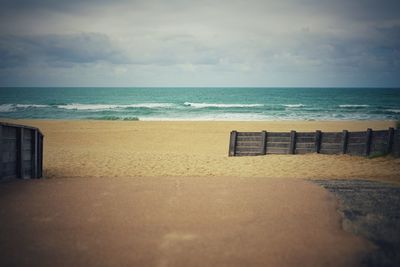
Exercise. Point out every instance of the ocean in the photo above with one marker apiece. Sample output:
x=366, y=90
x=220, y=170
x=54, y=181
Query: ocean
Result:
x=201, y=103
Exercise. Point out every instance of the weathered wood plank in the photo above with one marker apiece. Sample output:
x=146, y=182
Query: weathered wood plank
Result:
x=305, y=139
x=26, y=155
x=248, y=149
x=305, y=145
x=248, y=143
x=8, y=156
x=248, y=154
x=274, y=134
x=381, y=133
x=27, y=135
x=278, y=139
x=249, y=138
x=249, y=134
x=278, y=145
x=9, y=132
x=378, y=148
x=331, y=146
x=356, y=140
x=10, y=168
x=305, y=135
x=27, y=144
x=9, y=145
x=305, y=150
x=277, y=151
x=356, y=152
x=9, y=174
x=20, y=147
x=357, y=134
x=27, y=173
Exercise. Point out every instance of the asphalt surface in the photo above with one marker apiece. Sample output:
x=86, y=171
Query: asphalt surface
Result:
x=371, y=209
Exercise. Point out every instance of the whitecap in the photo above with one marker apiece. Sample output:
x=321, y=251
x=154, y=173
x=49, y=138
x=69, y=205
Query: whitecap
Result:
x=294, y=105
x=78, y=106
x=31, y=106
x=353, y=106
x=7, y=107
x=219, y=105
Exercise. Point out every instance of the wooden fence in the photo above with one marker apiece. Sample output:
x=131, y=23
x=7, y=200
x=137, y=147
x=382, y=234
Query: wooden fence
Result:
x=21, y=152
x=366, y=143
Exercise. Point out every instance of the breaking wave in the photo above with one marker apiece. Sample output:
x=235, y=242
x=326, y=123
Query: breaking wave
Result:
x=217, y=105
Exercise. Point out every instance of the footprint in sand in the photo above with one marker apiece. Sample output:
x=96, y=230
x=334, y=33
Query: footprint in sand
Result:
x=172, y=244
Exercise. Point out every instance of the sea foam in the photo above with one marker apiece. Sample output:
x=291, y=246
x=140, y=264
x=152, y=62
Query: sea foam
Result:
x=220, y=105
x=294, y=105
x=353, y=106
x=78, y=106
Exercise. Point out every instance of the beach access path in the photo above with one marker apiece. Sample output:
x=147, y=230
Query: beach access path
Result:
x=173, y=221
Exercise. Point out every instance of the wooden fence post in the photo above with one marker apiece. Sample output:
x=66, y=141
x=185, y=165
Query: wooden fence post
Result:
x=292, y=147
x=41, y=155
x=232, y=144
x=390, y=140
x=368, y=142
x=345, y=138
x=1, y=152
x=396, y=143
x=34, y=143
x=264, y=142
x=20, y=150
x=318, y=141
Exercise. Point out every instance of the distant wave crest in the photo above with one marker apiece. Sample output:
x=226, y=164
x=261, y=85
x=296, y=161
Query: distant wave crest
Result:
x=218, y=105
x=77, y=106
x=294, y=105
x=13, y=107
x=353, y=106
x=7, y=107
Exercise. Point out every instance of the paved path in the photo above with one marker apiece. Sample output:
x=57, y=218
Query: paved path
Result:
x=371, y=209
x=173, y=222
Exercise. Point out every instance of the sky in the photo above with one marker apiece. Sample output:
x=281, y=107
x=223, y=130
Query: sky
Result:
x=316, y=43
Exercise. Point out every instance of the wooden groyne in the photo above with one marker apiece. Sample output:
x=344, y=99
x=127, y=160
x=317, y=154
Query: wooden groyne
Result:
x=21, y=152
x=367, y=143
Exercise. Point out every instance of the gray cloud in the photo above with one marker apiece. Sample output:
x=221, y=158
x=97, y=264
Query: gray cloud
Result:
x=255, y=42
x=58, y=49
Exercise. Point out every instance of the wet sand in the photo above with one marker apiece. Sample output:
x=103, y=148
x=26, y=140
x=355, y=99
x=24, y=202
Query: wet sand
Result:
x=166, y=221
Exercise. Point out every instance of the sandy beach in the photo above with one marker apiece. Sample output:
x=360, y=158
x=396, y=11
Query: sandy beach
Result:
x=145, y=193
x=167, y=221
x=195, y=149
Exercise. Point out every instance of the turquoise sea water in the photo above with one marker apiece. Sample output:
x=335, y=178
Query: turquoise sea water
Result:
x=201, y=103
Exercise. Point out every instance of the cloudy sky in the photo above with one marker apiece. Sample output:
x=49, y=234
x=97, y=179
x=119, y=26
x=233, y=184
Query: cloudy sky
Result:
x=200, y=43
